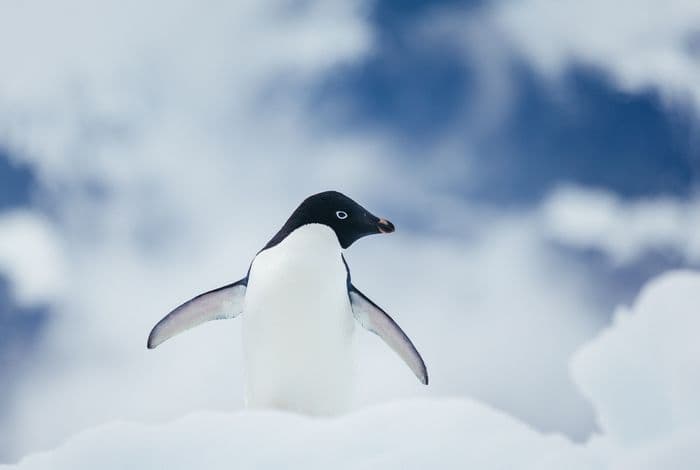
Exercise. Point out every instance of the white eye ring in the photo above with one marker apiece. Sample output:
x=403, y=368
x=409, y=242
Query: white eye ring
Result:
x=341, y=215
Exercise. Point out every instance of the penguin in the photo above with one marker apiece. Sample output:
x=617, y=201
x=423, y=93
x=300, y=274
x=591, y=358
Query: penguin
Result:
x=299, y=307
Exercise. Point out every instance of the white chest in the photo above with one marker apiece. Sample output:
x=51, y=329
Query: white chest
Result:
x=297, y=325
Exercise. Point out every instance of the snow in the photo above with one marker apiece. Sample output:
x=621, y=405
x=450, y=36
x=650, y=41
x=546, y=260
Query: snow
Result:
x=653, y=351
x=642, y=375
x=414, y=434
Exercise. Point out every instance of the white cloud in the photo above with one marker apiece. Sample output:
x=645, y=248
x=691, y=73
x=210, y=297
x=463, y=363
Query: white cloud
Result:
x=642, y=44
x=640, y=374
x=30, y=256
x=624, y=230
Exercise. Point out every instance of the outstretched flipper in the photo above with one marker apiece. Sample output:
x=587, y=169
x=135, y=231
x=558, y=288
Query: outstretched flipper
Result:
x=376, y=320
x=218, y=304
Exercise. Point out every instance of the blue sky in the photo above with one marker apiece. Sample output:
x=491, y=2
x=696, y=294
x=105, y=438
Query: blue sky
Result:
x=581, y=130
x=17, y=181
x=18, y=325
x=586, y=131
x=477, y=124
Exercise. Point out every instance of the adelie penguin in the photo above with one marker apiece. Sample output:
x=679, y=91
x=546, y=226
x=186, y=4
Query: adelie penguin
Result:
x=299, y=309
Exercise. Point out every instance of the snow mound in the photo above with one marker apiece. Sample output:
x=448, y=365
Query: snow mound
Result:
x=643, y=377
x=643, y=374
x=414, y=434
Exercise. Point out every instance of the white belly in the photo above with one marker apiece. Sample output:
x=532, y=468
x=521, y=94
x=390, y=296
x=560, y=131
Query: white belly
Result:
x=298, y=325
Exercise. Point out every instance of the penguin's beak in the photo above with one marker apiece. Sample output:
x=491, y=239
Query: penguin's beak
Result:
x=385, y=226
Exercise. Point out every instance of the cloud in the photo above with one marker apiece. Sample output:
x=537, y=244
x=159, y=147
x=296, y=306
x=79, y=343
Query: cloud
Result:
x=640, y=375
x=625, y=231
x=641, y=44
x=30, y=256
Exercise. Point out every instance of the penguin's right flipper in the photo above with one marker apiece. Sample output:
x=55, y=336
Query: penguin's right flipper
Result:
x=376, y=320
x=218, y=304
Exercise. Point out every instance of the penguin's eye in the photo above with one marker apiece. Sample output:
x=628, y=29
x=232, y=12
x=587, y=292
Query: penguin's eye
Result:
x=341, y=215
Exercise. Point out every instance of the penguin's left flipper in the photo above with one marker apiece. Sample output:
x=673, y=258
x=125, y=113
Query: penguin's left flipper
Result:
x=376, y=320
x=218, y=304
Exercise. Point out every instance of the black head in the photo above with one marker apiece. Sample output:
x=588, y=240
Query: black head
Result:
x=349, y=220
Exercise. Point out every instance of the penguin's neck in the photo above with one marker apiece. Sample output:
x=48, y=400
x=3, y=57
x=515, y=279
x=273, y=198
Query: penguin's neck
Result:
x=307, y=243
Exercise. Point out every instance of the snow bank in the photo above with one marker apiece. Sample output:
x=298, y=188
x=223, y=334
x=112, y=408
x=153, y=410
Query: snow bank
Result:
x=642, y=375
x=415, y=434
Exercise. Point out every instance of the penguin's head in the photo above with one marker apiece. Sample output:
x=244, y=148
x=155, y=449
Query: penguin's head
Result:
x=349, y=220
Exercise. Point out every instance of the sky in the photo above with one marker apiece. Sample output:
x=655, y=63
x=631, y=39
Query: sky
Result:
x=539, y=159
